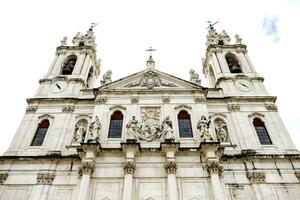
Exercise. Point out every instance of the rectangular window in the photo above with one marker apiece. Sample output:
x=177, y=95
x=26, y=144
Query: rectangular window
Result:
x=115, y=128
x=39, y=137
x=185, y=128
x=263, y=135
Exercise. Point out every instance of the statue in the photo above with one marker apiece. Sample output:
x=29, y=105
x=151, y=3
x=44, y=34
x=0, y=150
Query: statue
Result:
x=167, y=129
x=106, y=77
x=64, y=41
x=94, y=128
x=221, y=132
x=132, y=129
x=203, y=126
x=238, y=39
x=194, y=77
x=80, y=131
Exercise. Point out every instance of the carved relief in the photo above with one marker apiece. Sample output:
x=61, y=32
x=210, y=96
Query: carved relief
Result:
x=256, y=177
x=271, y=107
x=68, y=108
x=166, y=100
x=31, y=109
x=214, y=167
x=129, y=167
x=150, y=125
x=171, y=167
x=200, y=100
x=86, y=167
x=203, y=127
x=93, y=132
x=45, y=178
x=233, y=108
x=221, y=130
x=150, y=80
x=3, y=177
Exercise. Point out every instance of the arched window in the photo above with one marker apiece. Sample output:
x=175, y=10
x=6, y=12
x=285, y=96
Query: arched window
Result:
x=40, y=133
x=233, y=63
x=184, y=124
x=116, y=124
x=69, y=65
x=261, y=131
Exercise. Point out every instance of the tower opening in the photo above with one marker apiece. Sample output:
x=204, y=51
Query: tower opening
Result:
x=69, y=65
x=233, y=63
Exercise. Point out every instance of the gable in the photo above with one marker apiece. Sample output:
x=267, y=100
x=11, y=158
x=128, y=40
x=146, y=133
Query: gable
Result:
x=150, y=79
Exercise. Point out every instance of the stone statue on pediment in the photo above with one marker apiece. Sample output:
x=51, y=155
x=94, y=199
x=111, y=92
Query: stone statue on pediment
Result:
x=106, y=77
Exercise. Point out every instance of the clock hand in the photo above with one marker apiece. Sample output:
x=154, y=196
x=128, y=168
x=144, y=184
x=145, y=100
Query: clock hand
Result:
x=58, y=86
x=244, y=85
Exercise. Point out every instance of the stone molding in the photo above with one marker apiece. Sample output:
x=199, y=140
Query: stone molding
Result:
x=86, y=167
x=101, y=100
x=166, y=100
x=183, y=107
x=271, y=107
x=171, y=167
x=68, y=108
x=214, y=167
x=117, y=107
x=233, y=108
x=256, y=114
x=129, y=167
x=3, y=177
x=45, y=178
x=256, y=177
x=31, y=109
x=200, y=100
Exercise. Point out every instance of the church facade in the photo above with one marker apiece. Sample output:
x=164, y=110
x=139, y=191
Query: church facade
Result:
x=151, y=135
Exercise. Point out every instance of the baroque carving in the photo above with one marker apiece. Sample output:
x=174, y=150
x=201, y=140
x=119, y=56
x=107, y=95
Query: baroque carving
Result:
x=200, y=100
x=221, y=130
x=128, y=167
x=68, y=108
x=45, y=178
x=86, y=167
x=171, y=167
x=203, y=127
x=217, y=38
x=194, y=77
x=31, y=109
x=106, y=78
x=256, y=177
x=80, y=131
x=150, y=80
x=3, y=177
x=214, y=167
x=233, y=108
x=271, y=107
x=93, y=132
x=166, y=100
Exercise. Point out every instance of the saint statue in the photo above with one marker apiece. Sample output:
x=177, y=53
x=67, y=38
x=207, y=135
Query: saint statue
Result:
x=203, y=126
x=132, y=129
x=94, y=128
x=106, y=77
x=80, y=131
x=194, y=77
x=167, y=129
x=221, y=132
x=64, y=41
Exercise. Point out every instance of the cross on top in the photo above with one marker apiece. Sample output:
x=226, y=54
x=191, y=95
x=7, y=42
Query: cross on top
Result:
x=150, y=49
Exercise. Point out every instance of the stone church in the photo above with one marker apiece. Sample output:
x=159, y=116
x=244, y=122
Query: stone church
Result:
x=151, y=135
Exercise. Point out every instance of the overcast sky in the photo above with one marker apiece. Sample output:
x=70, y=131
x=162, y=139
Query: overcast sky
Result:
x=31, y=30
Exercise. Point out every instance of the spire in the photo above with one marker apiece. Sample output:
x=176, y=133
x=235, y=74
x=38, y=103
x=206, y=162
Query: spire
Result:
x=150, y=62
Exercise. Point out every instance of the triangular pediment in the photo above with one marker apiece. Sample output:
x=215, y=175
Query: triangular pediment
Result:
x=150, y=79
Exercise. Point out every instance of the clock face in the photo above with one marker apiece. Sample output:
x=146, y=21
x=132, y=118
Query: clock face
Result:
x=58, y=86
x=243, y=85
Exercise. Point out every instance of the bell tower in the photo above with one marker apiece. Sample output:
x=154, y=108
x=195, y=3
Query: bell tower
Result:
x=74, y=67
x=228, y=66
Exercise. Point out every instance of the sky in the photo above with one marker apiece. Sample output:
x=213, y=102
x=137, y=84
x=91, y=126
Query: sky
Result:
x=31, y=30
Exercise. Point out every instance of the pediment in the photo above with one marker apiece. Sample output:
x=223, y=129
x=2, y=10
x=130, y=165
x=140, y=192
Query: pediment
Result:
x=150, y=79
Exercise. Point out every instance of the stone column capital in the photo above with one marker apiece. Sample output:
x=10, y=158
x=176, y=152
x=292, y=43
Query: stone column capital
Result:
x=129, y=167
x=86, y=167
x=171, y=167
x=214, y=167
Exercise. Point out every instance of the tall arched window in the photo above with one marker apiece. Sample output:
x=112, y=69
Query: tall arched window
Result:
x=69, y=65
x=40, y=133
x=233, y=63
x=261, y=131
x=116, y=124
x=184, y=124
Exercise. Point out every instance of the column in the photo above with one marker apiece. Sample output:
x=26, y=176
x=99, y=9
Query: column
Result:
x=130, y=150
x=171, y=168
x=86, y=169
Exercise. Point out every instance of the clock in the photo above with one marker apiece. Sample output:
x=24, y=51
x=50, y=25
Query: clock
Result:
x=58, y=87
x=243, y=85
